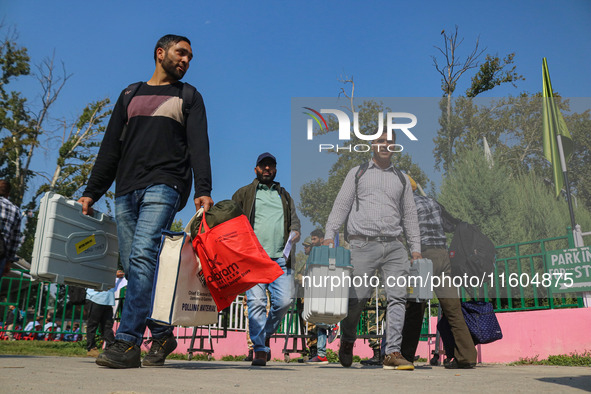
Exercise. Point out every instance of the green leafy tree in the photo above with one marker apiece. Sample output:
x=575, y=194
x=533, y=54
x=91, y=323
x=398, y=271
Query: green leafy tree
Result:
x=513, y=128
x=507, y=207
x=491, y=73
x=25, y=129
x=14, y=119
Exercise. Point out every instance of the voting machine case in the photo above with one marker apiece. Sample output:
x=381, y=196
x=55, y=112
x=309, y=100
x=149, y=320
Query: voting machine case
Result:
x=72, y=248
x=324, y=304
x=420, y=276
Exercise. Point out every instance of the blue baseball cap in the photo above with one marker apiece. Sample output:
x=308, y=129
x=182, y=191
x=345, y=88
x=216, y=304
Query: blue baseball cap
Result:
x=263, y=156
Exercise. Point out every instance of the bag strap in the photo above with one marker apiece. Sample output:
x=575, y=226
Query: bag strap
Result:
x=358, y=174
x=195, y=217
x=187, y=93
x=127, y=96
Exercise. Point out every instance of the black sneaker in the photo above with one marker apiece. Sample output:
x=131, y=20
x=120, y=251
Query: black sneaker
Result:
x=160, y=349
x=454, y=364
x=377, y=358
x=346, y=353
x=122, y=354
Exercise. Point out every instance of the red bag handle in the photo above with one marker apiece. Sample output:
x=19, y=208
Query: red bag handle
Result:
x=203, y=223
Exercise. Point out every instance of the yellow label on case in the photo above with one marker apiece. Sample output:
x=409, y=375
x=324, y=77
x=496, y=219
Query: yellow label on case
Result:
x=85, y=244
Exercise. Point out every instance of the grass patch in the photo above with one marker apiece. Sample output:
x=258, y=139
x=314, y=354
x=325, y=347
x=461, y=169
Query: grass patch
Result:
x=42, y=348
x=567, y=360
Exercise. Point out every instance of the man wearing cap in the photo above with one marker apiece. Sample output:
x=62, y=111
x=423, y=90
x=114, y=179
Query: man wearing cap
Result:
x=272, y=214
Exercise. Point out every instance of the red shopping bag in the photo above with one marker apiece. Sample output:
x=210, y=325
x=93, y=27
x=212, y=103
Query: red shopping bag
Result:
x=233, y=260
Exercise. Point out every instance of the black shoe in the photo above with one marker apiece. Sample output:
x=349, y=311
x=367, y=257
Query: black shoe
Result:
x=313, y=352
x=122, y=354
x=346, y=353
x=377, y=358
x=260, y=359
x=453, y=364
x=250, y=355
x=160, y=349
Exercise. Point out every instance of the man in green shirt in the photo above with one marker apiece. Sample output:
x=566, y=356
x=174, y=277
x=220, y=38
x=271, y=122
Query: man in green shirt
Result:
x=271, y=212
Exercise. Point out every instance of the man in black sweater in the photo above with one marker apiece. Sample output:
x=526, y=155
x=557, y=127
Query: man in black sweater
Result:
x=156, y=135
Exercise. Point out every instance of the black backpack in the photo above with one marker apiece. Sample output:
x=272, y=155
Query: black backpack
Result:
x=187, y=93
x=360, y=171
x=471, y=252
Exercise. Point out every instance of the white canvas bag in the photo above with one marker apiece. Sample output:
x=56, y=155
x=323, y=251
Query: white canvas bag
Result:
x=180, y=296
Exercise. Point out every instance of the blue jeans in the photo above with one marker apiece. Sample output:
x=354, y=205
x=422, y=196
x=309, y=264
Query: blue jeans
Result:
x=260, y=325
x=141, y=217
x=321, y=344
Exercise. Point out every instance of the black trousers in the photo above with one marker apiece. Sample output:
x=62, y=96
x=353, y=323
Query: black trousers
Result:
x=101, y=317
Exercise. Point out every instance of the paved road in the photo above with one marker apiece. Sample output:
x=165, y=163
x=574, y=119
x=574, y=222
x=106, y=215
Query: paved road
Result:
x=73, y=374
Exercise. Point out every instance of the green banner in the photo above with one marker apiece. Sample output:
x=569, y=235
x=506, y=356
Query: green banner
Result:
x=570, y=269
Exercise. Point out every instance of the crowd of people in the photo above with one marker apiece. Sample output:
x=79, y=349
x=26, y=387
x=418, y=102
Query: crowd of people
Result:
x=156, y=143
x=36, y=330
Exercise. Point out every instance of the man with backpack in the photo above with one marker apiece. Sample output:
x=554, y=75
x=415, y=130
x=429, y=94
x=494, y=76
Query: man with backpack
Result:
x=378, y=207
x=156, y=135
x=434, y=248
x=10, y=228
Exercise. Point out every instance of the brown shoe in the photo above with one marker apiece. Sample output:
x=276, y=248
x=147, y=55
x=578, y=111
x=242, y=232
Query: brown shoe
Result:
x=396, y=361
x=94, y=352
x=260, y=359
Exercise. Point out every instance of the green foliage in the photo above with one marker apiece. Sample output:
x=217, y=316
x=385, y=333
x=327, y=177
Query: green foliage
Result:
x=493, y=73
x=78, y=151
x=177, y=225
x=22, y=130
x=507, y=207
x=569, y=360
x=334, y=357
x=477, y=194
x=512, y=128
x=50, y=348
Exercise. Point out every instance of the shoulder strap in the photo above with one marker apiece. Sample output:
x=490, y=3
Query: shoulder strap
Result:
x=403, y=181
x=127, y=96
x=360, y=171
x=187, y=93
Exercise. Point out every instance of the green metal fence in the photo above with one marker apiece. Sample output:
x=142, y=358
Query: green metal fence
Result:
x=49, y=300
x=43, y=300
x=517, y=266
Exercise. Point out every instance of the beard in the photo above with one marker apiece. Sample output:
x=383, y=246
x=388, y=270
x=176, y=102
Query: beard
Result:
x=265, y=179
x=170, y=68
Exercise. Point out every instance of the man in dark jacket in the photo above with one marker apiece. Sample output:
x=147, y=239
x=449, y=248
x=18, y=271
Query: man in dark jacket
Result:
x=272, y=214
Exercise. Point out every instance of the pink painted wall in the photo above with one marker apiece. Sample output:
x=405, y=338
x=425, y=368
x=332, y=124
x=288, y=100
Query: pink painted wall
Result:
x=525, y=334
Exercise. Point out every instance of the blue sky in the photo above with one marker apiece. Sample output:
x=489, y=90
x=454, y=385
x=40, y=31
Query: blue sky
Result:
x=252, y=57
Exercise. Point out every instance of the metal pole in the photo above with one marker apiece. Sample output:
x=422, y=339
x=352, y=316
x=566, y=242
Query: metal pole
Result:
x=567, y=187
